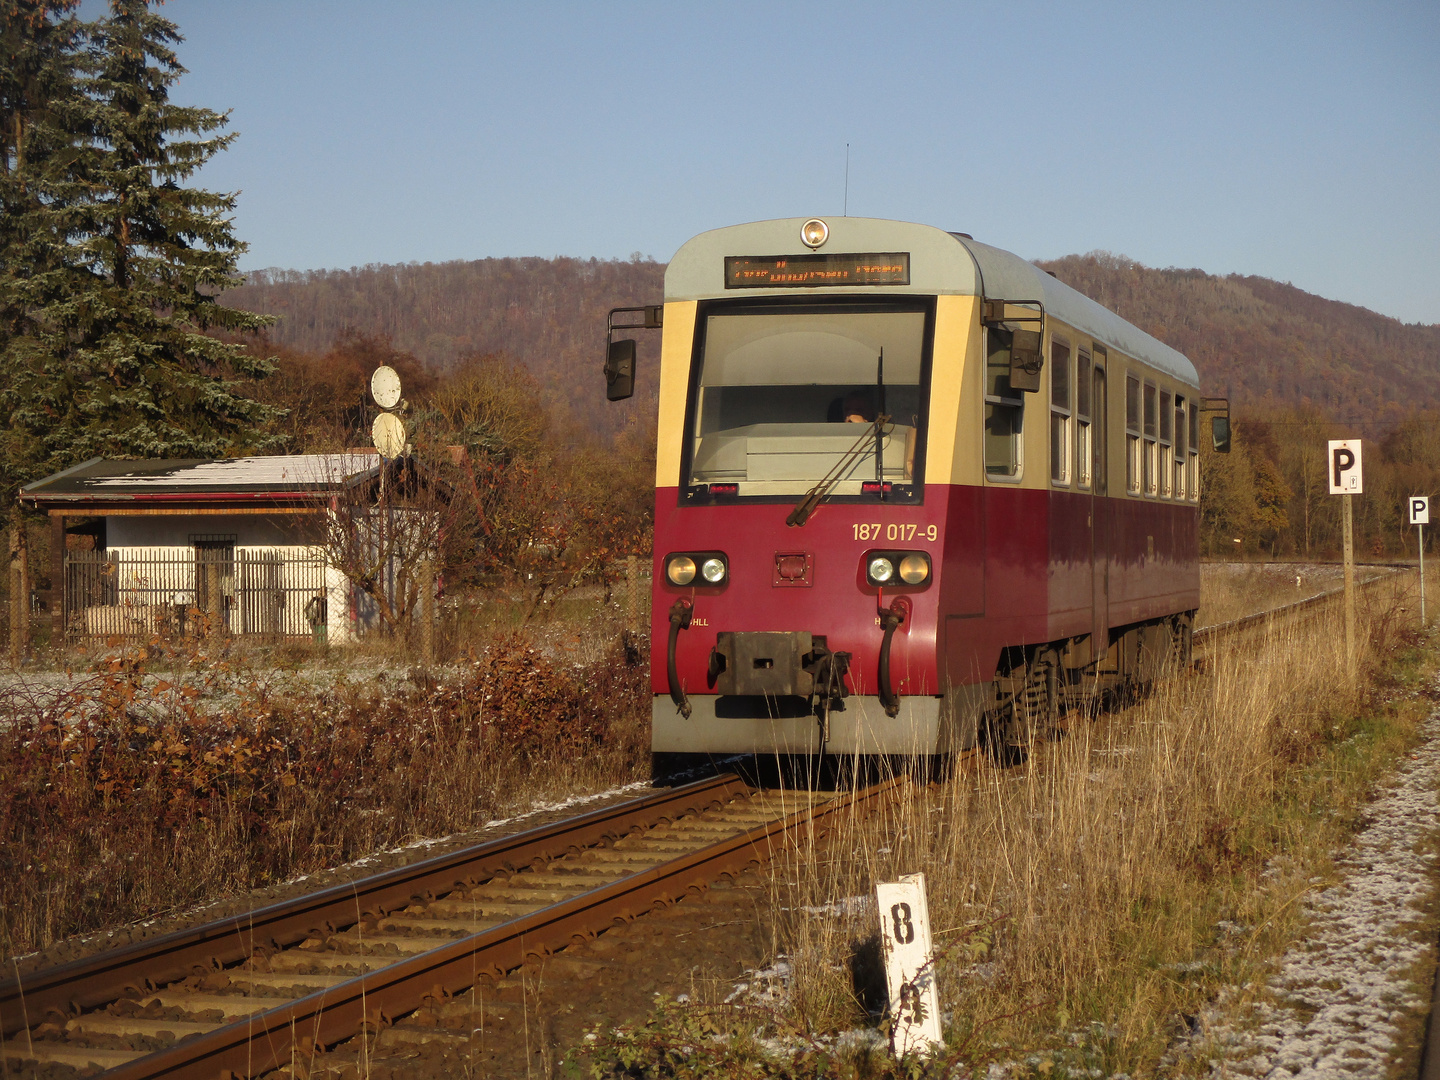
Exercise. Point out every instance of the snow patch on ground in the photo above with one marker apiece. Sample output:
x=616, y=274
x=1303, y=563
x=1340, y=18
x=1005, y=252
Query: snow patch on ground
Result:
x=769, y=987
x=847, y=907
x=1339, y=996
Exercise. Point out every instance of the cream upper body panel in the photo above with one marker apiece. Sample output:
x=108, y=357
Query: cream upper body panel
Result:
x=938, y=264
x=959, y=273
x=675, y=347
x=941, y=263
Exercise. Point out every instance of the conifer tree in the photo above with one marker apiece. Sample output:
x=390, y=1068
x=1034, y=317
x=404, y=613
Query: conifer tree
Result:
x=41, y=102
x=117, y=355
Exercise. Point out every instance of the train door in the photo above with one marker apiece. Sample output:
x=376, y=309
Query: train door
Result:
x=1100, y=509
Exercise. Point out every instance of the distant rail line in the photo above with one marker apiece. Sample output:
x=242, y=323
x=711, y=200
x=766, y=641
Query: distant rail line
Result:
x=1207, y=638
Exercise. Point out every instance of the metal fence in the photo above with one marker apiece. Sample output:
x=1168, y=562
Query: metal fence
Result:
x=271, y=594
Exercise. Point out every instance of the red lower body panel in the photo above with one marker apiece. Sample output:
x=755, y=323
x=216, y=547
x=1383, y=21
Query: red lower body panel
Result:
x=1009, y=567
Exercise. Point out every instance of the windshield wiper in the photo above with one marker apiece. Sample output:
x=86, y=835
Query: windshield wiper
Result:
x=801, y=513
x=880, y=411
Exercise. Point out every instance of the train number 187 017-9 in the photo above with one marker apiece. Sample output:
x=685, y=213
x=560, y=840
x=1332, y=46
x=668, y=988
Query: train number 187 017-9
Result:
x=895, y=532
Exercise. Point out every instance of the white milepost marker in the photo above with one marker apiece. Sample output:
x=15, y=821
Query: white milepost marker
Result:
x=909, y=965
x=1347, y=480
x=1420, y=517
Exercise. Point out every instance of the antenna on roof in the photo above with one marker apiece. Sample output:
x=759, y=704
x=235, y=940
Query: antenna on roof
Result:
x=846, y=212
x=388, y=429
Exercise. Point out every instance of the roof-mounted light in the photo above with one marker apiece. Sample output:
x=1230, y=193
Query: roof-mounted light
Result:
x=814, y=233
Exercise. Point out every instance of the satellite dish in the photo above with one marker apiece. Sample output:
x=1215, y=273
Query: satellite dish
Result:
x=389, y=433
x=385, y=387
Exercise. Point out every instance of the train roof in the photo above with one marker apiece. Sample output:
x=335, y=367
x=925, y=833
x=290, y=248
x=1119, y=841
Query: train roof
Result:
x=940, y=263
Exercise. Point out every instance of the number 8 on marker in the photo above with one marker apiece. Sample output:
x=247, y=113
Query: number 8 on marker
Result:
x=901, y=925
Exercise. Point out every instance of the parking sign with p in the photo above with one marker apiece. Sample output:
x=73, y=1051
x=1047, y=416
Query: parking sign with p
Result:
x=1345, y=472
x=1419, y=509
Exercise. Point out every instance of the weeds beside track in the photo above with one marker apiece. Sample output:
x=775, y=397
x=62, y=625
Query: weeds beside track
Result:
x=122, y=795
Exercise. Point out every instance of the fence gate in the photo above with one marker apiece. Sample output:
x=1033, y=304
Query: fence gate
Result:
x=268, y=595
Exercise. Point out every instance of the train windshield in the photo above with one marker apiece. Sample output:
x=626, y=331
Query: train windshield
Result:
x=786, y=398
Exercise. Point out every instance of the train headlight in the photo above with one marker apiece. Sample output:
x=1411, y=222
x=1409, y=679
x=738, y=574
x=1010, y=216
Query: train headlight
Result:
x=680, y=570
x=880, y=571
x=699, y=568
x=897, y=568
x=914, y=569
x=814, y=233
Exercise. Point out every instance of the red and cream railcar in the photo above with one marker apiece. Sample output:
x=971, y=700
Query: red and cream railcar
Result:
x=911, y=492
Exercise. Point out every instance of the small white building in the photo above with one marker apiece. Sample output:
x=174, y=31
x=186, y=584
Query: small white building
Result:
x=242, y=540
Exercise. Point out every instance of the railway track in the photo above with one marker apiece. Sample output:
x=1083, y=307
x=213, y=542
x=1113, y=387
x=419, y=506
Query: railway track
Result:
x=1207, y=638
x=259, y=992
x=247, y=995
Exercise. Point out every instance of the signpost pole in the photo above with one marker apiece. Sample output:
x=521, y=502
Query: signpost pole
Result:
x=390, y=436
x=1349, y=581
x=1422, y=575
x=1347, y=481
x=1419, y=516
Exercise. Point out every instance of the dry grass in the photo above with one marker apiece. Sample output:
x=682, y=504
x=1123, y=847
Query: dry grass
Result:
x=1087, y=901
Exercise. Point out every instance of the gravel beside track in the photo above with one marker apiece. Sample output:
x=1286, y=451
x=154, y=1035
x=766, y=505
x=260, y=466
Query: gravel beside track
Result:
x=1346, y=1001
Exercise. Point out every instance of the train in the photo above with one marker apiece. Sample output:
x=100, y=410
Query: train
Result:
x=913, y=494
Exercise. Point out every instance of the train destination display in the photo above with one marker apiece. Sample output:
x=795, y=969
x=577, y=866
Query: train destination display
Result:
x=808, y=271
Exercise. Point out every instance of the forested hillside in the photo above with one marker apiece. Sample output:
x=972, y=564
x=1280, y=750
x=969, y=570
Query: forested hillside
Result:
x=548, y=314
x=1269, y=343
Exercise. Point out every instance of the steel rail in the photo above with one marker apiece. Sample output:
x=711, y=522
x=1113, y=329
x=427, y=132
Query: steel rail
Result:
x=96, y=980
x=369, y=1002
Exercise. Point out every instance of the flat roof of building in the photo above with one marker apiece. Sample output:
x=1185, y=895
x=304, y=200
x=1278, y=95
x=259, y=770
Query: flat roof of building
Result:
x=294, y=477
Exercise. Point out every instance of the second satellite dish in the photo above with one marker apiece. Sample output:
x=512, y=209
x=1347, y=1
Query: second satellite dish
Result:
x=385, y=387
x=389, y=435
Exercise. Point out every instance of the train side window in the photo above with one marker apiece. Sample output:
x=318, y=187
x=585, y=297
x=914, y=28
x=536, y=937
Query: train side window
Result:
x=1004, y=410
x=1082, y=419
x=1132, y=435
x=1059, y=412
x=1193, y=465
x=1152, y=454
x=1178, y=467
x=1167, y=439
x=1100, y=437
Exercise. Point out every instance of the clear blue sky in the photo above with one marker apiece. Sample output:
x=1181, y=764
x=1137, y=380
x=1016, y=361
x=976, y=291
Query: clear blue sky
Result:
x=1300, y=141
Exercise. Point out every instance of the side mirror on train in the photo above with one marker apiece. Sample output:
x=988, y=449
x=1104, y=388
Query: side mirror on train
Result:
x=620, y=370
x=1025, y=361
x=1220, y=434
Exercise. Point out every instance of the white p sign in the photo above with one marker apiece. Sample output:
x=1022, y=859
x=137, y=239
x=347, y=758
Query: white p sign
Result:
x=1345, y=473
x=1419, y=509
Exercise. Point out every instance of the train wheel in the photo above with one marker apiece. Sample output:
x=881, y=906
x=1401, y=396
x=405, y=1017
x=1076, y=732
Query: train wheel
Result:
x=1026, y=708
x=1184, y=633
